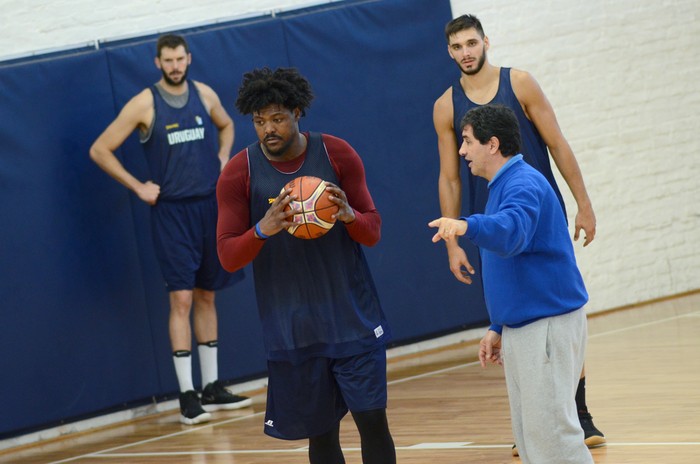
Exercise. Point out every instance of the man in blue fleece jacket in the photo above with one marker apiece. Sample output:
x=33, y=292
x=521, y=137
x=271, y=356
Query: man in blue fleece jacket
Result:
x=533, y=289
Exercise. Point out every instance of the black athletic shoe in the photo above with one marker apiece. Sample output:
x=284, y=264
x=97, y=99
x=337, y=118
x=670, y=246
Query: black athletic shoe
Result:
x=592, y=436
x=215, y=396
x=191, y=411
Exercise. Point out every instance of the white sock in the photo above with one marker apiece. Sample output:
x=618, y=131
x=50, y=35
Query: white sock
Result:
x=208, y=353
x=183, y=369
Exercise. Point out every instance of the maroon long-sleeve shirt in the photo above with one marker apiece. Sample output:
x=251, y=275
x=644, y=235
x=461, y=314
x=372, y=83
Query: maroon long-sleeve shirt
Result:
x=236, y=242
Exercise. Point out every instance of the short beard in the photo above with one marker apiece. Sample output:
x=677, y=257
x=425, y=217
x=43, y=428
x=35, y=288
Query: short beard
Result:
x=172, y=82
x=479, y=65
x=279, y=152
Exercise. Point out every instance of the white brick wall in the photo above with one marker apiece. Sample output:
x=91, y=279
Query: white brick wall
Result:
x=622, y=77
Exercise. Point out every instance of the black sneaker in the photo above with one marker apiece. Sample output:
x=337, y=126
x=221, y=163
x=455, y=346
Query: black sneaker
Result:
x=592, y=436
x=215, y=396
x=191, y=411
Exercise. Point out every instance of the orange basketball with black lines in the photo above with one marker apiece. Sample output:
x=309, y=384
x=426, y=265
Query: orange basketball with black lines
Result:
x=314, y=209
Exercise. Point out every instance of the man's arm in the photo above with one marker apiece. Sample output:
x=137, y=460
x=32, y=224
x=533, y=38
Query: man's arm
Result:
x=357, y=206
x=538, y=109
x=238, y=243
x=449, y=182
x=221, y=120
x=137, y=113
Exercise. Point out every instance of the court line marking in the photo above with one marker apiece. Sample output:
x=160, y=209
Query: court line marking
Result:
x=104, y=453
x=646, y=324
x=609, y=332
x=154, y=439
x=305, y=449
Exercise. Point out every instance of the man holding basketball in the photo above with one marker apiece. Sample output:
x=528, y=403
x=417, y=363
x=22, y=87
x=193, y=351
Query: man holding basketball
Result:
x=324, y=329
x=534, y=291
x=187, y=137
x=481, y=83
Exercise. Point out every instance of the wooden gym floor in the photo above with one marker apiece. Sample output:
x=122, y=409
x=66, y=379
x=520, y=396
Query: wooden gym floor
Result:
x=643, y=371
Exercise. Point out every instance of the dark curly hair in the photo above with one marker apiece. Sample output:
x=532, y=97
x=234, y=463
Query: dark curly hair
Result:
x=264, y=87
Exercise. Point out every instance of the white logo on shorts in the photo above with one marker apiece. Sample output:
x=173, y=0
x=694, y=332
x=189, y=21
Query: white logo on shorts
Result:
x=269, y=423
x=378, y=332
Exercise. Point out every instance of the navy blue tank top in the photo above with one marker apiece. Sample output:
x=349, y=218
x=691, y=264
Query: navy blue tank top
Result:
x=534, y=150
x=182, y=151
x=315, y=297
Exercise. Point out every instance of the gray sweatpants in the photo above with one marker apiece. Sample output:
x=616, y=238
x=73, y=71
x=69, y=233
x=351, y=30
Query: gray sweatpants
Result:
x=543, y=363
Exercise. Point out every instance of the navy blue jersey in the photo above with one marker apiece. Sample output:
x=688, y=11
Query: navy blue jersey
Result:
x=315, y=297
x=534, y=150
x=182, y=151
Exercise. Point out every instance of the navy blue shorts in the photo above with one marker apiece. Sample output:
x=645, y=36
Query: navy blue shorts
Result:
x=309, y=399
x=184, y=236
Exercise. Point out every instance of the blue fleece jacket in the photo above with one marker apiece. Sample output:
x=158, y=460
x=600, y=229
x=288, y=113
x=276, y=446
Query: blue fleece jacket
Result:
x=528, y=262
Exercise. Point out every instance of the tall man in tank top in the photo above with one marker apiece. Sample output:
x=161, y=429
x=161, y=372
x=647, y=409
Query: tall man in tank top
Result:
x=324, y=329
x=187, y=137
x=481, y=83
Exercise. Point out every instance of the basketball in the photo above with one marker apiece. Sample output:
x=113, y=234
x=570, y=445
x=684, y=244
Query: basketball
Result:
x=314, y=210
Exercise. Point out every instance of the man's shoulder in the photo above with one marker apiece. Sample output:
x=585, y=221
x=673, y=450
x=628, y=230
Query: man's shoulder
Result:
x=519, y=74
x=445, y=98
x=201, y=85
x=443, y=109
x=325, y=136
x=145, y=96
x=522, y=82
x=205, y=91
x=337, y=147
x=332, y=141
x=140, y=103
x=522, y=173
x=241, y=156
